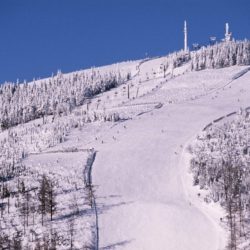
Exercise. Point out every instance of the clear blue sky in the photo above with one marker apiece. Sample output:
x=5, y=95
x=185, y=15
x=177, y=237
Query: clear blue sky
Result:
x=37, y=37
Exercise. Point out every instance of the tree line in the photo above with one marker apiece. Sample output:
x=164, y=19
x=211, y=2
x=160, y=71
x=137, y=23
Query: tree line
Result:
x=60, y=94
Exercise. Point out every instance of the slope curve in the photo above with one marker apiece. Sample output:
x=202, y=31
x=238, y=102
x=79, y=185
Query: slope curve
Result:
x=141, y=196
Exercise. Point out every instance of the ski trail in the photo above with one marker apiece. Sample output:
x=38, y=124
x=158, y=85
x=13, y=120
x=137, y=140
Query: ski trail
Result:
x=145, y=199
x=141, y=200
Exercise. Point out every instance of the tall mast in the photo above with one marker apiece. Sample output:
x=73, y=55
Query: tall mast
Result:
x=228, y=35
x=185, y=36
x=227, y=29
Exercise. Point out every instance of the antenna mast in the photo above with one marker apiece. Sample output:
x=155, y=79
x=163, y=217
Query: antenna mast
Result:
x=185, y=36
x=228, y=35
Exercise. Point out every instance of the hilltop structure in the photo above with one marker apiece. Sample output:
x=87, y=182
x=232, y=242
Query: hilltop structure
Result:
x=212, y=39
x=228, y=35
x=185, y=37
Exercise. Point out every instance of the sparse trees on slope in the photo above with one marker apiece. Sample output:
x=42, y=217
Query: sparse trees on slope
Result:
x=47, y=197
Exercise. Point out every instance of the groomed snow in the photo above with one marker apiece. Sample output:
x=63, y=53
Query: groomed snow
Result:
x=144, y=193
x=145, y=198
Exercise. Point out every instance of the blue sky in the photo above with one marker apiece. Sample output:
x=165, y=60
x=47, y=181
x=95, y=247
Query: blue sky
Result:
x=38, y=37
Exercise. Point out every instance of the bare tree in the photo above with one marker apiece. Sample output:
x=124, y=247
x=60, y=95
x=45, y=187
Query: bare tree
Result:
x=51, y=199
x=71, y=226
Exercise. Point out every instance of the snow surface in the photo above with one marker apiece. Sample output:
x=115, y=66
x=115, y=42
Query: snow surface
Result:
x=144, y=193
x=66, y=171
x=142, y=177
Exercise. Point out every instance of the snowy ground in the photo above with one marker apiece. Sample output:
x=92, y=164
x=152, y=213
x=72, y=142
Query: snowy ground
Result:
x=73, y=212
x=146, y=204
x=144, y=195
x=67, y=171
x=144, y=192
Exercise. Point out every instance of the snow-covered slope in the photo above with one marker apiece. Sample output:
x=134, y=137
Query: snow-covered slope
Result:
x=144, y=197
x=141, y=176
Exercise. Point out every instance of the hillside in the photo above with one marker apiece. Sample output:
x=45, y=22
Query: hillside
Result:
x=97, y=159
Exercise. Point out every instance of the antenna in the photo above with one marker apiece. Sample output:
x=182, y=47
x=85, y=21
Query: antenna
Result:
x=185, y=36
x=228, y=35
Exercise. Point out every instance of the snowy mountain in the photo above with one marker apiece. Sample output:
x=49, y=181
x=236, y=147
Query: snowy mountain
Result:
x=107, y=158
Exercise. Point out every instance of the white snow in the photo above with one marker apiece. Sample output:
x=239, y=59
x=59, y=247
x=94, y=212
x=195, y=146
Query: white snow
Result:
x=144, y=192
x=144, y=195
x=142, y=186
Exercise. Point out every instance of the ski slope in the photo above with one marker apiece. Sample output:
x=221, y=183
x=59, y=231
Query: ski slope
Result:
x=144, y=193
x=146, y=199
x=118, y=159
